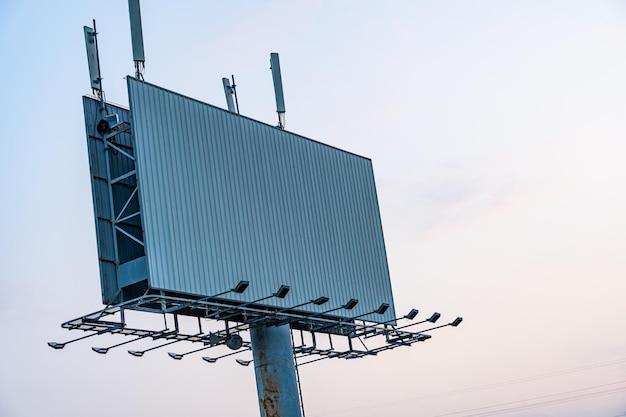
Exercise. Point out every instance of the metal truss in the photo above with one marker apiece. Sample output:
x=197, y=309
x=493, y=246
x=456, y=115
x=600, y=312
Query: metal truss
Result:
x=122, y=216
x=319, y=336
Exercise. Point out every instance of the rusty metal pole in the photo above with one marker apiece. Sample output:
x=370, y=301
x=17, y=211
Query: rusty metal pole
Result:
x=275, y=371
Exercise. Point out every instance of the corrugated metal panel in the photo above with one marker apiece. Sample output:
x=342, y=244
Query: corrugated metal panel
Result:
x=225, y=198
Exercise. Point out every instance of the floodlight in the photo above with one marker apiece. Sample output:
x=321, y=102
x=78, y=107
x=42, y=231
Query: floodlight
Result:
x=381, y=310
x=55, y=345
x=243, y=362
x=100, y=350
x=176, y=356
x=411, y=314
x=456, y=321
x=282, y=291
x=140, y=353
x=321, y=300
x=213, y=360
x=349, y=306
x=318, y=301
x=434, y=318
x=241, y=286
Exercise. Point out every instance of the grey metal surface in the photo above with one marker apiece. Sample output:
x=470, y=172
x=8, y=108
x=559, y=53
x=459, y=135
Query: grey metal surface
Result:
x=225, y=198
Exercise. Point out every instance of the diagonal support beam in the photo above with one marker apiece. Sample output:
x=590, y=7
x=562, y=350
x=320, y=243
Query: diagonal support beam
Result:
x=129, y=235
x=126, y=205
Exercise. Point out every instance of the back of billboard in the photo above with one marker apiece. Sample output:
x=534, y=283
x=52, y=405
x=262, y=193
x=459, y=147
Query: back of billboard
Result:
x=222, y=198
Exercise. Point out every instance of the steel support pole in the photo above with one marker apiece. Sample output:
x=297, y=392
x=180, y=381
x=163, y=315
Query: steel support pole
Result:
x=275, y=371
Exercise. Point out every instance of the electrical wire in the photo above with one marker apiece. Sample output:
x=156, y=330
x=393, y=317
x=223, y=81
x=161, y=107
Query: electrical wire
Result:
x=473, y=389
x=540, y=404
x=551, y=402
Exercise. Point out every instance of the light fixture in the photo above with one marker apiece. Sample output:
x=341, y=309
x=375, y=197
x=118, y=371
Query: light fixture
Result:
x=282, y=291
x=139, y=353
x=382, y=309
x=210, y=359
x=373, y=332
x=456, y=321
x=177, y=356
x=411, y=314
x=351, y=304
x=241, y=287
x=114, y=327
x=242, y=362
x=434, y=318
x=274, y=321
x=321, y=300
x=100, y=350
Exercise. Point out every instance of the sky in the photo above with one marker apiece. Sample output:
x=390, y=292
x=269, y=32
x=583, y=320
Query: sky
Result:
x=496, y=131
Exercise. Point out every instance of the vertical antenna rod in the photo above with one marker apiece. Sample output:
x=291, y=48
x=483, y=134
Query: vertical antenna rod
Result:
x=228, y=91
x=278, y=89
x=235, y=93
x=136, y=35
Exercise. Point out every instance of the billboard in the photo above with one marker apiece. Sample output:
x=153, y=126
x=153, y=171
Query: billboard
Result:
x=222, y=198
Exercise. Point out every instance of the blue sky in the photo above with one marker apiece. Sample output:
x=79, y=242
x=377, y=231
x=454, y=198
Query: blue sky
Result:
x=496, y=130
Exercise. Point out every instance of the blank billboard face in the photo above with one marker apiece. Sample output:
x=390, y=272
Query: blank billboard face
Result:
x=225, y=198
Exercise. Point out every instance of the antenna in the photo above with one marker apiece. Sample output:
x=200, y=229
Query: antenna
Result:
x=228, y=91
x=278, y=89
x=136, y=35
x=235, y=93
x=93, y=60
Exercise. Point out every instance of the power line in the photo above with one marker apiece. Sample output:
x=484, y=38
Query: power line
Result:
x=472, y=389
x=551, y=402
x=540, y=404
